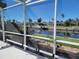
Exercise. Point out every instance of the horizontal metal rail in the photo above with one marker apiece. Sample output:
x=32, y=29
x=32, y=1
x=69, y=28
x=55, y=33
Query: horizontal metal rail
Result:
x=45, y=52
x=38, y=37
x=14, y=33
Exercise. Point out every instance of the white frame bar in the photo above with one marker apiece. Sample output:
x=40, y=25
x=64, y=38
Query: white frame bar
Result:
x=2, y=20
x=24, y=16
x=12, y=6
x=38, y=37
x=55, y=15
x=39, y=1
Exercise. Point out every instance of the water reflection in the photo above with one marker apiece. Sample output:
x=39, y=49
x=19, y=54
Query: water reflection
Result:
x=46, y=32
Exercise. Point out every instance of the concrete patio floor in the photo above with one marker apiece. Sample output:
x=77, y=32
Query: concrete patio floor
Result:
x=13, y=52
x=3, y=44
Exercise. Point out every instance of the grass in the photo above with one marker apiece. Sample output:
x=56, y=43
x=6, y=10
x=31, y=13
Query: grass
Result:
x=60, y=38
x=68, y=39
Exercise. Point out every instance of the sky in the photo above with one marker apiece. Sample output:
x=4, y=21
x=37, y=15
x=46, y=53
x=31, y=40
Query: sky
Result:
x=70, y=8
x=44, y=10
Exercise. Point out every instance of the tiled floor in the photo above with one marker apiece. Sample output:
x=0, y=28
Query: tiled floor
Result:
x=15, y=53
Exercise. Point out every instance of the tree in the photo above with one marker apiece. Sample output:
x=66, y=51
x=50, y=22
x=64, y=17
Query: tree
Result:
x=77, y=21
x=41, y=24
x=68, y=22
x=39, y=21
x=62, y=15
x=2, y=4
x=13, y=21
x=58, y=23
x=62, y=23
x=30, y=22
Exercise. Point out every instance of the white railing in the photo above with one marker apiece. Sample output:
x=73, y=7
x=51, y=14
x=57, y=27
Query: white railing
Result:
x=14, y=33
x=39, y=37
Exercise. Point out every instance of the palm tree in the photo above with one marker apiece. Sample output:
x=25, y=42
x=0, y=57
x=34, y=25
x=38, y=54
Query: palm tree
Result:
x=62, y=15
x=39, y=21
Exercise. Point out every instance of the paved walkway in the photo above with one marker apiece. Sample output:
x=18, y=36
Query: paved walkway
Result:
x=12, y=52
x=15, y=53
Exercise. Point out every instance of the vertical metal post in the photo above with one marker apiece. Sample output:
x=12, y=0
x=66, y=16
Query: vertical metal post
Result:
x=24, y=16
x=2, y=20
x=55, y=14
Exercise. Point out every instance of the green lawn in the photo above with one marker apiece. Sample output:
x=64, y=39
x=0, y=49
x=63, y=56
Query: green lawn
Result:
x=59, y=38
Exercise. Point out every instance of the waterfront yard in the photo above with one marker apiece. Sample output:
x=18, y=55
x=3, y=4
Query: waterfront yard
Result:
x=59, y=39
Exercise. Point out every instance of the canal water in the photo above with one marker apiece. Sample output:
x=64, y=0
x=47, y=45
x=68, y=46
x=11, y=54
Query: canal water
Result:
x=72, y=35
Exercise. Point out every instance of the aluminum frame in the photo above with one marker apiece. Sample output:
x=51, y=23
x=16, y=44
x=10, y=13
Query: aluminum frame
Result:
x=55, y=17
x=15, y=5
x=24, y=10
